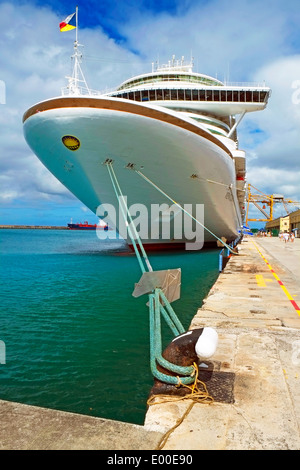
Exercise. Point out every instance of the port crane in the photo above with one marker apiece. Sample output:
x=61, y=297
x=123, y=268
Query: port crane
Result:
x=263, y=202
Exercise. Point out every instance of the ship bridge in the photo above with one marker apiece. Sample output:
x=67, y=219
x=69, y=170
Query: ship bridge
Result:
x=218, y=100
x=176, y=86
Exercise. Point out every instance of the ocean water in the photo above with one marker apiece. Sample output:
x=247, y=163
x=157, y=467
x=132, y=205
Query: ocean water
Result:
x=75, y=338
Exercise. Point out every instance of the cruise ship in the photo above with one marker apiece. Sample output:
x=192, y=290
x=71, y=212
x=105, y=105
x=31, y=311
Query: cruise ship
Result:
x=175, y=127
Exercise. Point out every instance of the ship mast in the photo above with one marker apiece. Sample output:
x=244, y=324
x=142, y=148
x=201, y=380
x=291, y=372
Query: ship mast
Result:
x=77, y=84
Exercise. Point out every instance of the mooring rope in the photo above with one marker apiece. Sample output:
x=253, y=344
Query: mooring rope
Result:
x=131, y=226
x=184, y=210
x=197, y=396
x=158, y=303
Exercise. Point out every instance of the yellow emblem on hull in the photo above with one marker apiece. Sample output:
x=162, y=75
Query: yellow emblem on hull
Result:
x=71, y=142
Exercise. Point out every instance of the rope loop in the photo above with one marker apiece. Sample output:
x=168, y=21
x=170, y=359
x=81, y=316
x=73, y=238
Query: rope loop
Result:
x=198, y=392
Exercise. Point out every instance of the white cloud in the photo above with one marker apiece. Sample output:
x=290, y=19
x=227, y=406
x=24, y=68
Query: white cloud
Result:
x=275, y=180
x=35, y=58
x=275, y=162
x=237, y=36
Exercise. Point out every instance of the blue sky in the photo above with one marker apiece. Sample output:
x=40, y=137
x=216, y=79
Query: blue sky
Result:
x=240, y=40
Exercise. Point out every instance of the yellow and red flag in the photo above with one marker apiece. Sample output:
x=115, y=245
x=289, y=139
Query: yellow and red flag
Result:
x=69, y=23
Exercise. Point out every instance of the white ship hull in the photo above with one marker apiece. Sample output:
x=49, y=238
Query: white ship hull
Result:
x=179, y=156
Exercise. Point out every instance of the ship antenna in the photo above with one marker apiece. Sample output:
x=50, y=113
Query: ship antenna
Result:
x=74, y=87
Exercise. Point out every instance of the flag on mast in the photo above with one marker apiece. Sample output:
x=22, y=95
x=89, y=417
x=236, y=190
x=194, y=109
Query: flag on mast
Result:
x=69, y=23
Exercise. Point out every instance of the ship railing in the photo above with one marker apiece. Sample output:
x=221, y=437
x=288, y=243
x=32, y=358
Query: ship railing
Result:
x=246, y=84
x=194, y=81
x=80, y=91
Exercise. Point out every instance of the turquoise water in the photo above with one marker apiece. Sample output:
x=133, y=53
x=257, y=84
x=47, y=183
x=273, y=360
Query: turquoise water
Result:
x=75, y=338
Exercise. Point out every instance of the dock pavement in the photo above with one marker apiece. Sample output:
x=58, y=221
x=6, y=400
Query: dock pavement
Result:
x=254, y=306
x=254, y=375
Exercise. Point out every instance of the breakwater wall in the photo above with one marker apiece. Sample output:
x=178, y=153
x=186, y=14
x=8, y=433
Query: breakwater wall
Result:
x=45, y=227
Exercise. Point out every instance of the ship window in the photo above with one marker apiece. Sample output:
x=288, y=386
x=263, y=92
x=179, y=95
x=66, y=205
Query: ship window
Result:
x=263, y=96
x=188, y=94
x=216, y=95
x=170, y=77
x=259, y=96
x=250, y=96
x=213, y=131
x=229, y=95
x=145, y=95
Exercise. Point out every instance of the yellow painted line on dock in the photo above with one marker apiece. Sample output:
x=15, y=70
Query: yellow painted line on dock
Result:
x=261, y=280
x=296, y=307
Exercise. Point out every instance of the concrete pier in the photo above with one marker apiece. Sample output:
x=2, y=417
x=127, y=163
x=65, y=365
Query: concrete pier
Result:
x=25, y=427
x=33, y=227
x=254, y=306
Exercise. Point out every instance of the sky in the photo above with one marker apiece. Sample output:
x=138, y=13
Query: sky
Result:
x=235, y=40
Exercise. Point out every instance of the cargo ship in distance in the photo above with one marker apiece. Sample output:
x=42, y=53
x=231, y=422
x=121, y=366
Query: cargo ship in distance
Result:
x=176, y=126
x=86, y=226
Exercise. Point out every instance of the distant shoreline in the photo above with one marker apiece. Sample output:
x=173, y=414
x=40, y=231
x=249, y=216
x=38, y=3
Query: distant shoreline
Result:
x=44, y=227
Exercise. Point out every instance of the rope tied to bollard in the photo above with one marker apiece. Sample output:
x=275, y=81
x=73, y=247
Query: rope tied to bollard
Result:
x=199, y=392
x=197, y=395
x=159, y=305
